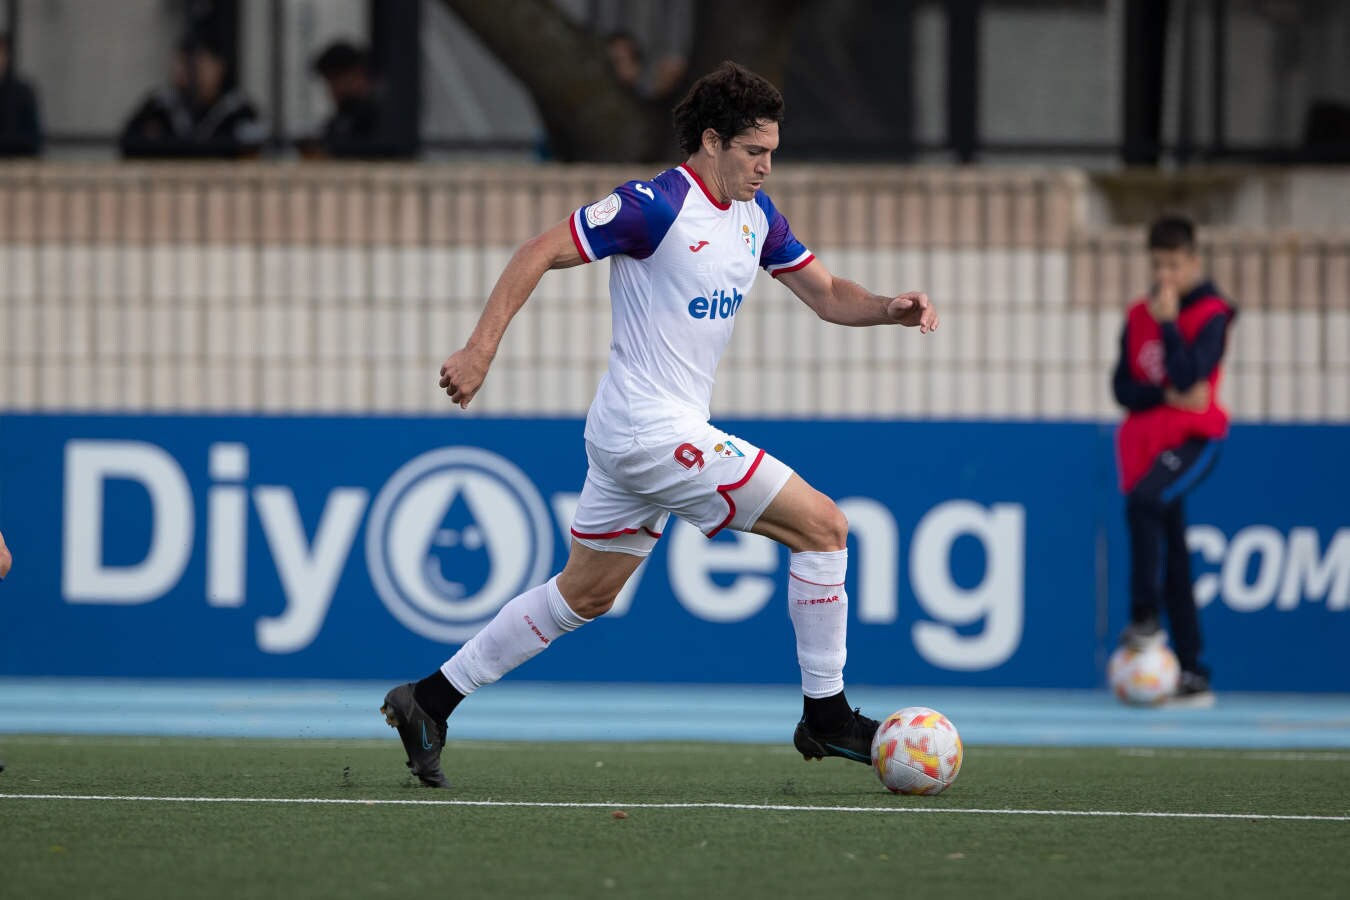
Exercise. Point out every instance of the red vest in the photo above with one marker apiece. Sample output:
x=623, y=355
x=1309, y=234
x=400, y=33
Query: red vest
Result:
x=1144, y=435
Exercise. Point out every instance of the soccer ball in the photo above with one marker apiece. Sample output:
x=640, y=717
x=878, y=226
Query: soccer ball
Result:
x=1144, y=677
x=917, y=751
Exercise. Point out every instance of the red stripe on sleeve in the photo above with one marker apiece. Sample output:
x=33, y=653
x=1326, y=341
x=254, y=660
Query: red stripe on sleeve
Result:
x=801, y=265
x=576, y=238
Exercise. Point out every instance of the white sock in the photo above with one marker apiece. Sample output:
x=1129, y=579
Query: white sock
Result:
x=522, y=629
x=818, y=608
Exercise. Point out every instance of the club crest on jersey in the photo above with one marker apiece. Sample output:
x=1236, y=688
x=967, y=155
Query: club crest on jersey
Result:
x=1152, y=360
x=727, y=450
x=603, y=211
x=749, y=237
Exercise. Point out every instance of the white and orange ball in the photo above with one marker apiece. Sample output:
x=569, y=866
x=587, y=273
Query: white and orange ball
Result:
x=917, y=751
x=1143, y=677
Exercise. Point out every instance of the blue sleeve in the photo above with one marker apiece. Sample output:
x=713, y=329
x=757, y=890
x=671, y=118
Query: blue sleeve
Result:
x=1131, y=394
x=1189, y=363
x=782, y=251
x=633, y=220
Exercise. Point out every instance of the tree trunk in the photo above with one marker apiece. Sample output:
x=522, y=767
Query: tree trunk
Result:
x=589, y=115
x=755, y=33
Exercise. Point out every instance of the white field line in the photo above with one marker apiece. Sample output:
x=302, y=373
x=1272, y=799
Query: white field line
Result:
x=749, y=807
x=363, y=743
x=1270, y=755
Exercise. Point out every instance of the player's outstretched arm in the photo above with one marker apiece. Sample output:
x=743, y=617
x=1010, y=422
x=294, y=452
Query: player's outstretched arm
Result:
x=845, y=302
x=463, y=371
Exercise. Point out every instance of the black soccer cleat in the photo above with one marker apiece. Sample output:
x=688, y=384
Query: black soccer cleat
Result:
x=423, y=738
x=1193, y=692
x=1143, y=635
x=853, y=741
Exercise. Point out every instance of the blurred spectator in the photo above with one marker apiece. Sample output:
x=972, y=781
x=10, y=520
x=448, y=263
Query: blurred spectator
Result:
x=625, y=58
x=20, y=124
x=198, y=115
x=362, y=125
x=629, y=65
x=666, y=77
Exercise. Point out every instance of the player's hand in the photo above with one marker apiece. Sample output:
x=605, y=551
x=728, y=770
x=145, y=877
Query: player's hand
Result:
x=462, y=374
x=5, y=558
x=913, y=308
x=1193, y=399
x=1164, y=304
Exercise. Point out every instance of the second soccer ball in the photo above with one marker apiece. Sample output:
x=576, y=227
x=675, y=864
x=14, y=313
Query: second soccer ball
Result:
x=1143, y=677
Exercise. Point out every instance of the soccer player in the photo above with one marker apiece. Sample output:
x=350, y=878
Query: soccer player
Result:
x=1167, y=379
x=686, y=246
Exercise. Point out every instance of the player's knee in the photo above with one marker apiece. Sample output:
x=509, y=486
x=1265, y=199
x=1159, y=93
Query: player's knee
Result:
x=589, y=604
x=587, y=596
x=828, y=527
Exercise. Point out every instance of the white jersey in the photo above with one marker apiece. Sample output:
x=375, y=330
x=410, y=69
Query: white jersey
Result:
x=683, y=264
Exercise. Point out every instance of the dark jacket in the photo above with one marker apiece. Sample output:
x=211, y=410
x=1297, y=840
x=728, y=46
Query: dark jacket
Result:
x=166, y=124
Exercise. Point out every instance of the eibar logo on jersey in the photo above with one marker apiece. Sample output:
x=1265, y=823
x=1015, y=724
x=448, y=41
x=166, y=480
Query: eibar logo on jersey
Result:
x=718, y=305
x=727, y=449
x=749, y=237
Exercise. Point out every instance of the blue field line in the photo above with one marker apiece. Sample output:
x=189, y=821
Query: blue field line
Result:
x=642, y=712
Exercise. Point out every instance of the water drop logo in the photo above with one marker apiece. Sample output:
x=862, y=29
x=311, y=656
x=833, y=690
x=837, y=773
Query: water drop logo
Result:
x=452, y=536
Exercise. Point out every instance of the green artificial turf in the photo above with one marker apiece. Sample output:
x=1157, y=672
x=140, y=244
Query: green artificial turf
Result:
x=155, y=848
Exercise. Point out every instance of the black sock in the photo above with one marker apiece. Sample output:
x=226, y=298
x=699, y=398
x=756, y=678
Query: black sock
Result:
x=826, y=715
x=437, y=696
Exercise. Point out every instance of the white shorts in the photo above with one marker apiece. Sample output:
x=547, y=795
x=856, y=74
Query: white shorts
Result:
x=709, y=478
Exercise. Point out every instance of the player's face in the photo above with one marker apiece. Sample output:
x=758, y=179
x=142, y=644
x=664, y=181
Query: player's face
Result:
x=1176, y=269
x=745, y=162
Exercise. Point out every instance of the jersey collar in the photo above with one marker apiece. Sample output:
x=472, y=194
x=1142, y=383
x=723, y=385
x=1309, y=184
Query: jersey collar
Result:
x=690, y=173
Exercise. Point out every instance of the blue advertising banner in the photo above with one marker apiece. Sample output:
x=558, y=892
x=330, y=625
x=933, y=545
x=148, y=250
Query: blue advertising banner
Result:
x=980, y=553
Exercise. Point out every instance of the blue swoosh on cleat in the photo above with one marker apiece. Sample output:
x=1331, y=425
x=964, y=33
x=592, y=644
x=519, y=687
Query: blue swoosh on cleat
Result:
x=426, y=744
x=849, y=753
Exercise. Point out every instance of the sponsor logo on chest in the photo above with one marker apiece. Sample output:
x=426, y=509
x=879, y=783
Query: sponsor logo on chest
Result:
x=719, y=304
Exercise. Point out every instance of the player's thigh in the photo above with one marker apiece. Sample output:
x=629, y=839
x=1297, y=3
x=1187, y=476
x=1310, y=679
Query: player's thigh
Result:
x=1175, y=473
x=594, y=577
x=611, y=518
x=802, y=518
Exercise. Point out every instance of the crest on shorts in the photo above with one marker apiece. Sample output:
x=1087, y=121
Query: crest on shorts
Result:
x=749, y=237
x=727, y=450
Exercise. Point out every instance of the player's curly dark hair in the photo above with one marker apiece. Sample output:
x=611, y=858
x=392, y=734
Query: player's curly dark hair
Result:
x=728, y=100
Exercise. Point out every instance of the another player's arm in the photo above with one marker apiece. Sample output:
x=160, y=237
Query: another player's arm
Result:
x=1188, y=364
x=463, y=371
x=1135, y=396
x=845, y=302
